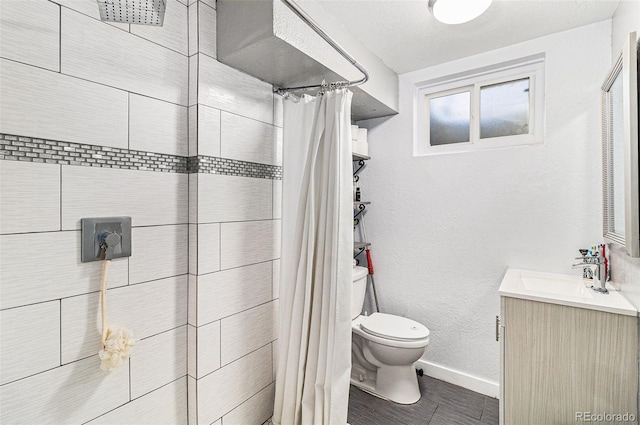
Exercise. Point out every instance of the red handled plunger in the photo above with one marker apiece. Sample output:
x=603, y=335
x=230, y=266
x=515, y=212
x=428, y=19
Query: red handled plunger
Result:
x=370, y=264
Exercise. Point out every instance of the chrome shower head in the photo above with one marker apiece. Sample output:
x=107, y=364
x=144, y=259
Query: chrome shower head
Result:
x=145, y=12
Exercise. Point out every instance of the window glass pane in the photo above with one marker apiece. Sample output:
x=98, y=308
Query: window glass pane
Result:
x=449, y=119
x=504, y=109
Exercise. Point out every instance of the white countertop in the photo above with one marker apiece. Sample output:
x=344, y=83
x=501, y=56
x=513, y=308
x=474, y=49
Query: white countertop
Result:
x=569, y=290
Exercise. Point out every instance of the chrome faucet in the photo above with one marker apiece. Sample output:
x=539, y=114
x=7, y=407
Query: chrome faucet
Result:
x=593, y=268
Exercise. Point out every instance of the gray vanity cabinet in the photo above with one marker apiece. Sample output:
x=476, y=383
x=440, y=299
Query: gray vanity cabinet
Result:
x=560, y=362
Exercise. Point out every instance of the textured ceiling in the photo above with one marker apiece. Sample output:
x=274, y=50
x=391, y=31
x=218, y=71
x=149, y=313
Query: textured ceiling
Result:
x=405, y=35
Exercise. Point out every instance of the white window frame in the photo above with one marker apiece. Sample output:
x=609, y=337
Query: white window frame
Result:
x=532, y=68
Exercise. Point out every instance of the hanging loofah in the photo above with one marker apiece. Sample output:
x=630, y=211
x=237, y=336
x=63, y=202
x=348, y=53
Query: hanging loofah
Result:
x=117, y=342
x=116, y=348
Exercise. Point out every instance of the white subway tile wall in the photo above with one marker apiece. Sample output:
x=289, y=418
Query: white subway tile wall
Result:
x=38, y=267
x=158, y=359
x=29, y=340
x=248, y=140
x=208, y=141
x=207, y=30
x=192, y=350
x=193, y=78
x=30, y=197
x=225, y=88
x=193, y=28
x=249, y=330
x=274, y=352
x=256, y=410
x=237, y=198
x=210, y=3
x=40, y=103
x=276, y=279
x=29, y=33
x=73, y=393
x=192, y=310
x=278, y=110
x=241, y=380
x=140, y=67
x=193, y=249
x=192, y=400
x=207, y=250
x=232, y=291
x=166, y=405
x=149, y=198
x=249, y=242
x=279, y=144
x=193, y=198
x=277, y=199
x=160, y=251
x=146, y=308
x=89, y=8
x=157, y=126
x=198, y=291
x=192, y=113
x=208, y=349
x=173, y=33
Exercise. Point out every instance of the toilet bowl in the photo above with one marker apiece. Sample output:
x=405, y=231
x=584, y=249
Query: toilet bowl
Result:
x=384, y=349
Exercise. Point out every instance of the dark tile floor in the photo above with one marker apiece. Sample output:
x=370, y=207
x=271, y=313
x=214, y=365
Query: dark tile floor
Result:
x=441, y=404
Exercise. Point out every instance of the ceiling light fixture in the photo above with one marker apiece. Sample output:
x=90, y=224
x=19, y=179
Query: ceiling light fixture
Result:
x=458, y=11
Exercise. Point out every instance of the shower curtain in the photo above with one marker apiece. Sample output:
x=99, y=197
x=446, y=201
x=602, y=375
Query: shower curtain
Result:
x=314, y=355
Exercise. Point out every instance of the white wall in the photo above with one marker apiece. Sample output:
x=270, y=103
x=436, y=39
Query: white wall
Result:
x=445, y=228
x=625, y=20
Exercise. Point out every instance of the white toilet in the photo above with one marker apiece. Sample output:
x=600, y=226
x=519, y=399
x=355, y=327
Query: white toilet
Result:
x=384, y=348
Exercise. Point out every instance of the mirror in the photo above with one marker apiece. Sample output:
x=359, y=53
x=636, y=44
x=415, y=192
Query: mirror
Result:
x=621, y=187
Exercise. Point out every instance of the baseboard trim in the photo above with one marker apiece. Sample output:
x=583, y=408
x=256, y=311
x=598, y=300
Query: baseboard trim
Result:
x=473, y=383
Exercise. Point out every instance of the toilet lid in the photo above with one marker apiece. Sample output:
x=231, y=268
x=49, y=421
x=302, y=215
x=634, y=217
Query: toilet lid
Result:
x=394, y=327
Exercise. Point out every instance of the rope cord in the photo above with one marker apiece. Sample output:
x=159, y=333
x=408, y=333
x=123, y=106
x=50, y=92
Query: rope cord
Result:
x=103, y=300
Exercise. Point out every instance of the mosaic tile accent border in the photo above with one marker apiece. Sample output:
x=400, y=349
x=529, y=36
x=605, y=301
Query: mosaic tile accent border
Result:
x=67, y=153
x=234, y=167
x=21, y=148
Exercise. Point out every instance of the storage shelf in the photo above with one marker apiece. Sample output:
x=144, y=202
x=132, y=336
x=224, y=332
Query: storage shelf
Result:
x=358, y=246
x=358, y=157
x=359, y=206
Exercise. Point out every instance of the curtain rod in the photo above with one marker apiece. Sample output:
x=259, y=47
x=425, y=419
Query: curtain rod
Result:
x=314, y=26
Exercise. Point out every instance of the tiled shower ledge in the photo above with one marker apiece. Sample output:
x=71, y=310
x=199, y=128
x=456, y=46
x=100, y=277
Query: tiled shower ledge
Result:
x=22, y=148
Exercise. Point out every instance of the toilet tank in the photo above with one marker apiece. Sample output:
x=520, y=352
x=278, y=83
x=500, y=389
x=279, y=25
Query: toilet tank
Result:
x=359, y=290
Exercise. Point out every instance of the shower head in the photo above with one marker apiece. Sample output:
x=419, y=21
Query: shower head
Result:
x=145, y=12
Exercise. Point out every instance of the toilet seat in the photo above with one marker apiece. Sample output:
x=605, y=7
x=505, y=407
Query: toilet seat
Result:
x=393, y=327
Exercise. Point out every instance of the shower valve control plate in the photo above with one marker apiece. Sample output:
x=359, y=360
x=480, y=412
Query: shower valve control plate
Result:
x=105, y=237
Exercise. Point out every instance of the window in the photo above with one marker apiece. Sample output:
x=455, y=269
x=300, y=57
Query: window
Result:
x=449, y=118
x=482, y=109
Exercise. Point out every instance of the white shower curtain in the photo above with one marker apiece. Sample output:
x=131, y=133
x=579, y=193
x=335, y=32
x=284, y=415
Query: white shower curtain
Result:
x=314, y=363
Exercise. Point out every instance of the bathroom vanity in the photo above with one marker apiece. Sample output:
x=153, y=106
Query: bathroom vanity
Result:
x=567, y=352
